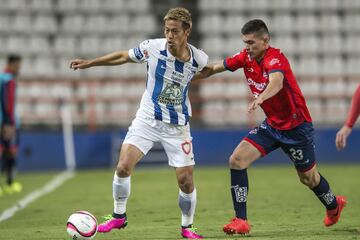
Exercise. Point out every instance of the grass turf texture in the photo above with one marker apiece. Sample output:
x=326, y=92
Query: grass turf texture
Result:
x=279, y=207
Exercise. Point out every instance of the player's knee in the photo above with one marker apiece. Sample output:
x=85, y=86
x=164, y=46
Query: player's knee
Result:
x=238, y=162
x=123, y=170
x=310, y=180
x=185, y=183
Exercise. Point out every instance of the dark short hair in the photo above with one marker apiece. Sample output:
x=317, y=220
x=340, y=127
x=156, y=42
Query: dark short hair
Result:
x=180, y=14
x=12, y=58
x=255, y=26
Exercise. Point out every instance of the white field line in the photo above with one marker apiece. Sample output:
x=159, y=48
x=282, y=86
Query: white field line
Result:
x=49, y=187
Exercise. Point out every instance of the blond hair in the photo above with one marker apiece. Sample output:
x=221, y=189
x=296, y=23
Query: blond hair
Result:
x=180, y=14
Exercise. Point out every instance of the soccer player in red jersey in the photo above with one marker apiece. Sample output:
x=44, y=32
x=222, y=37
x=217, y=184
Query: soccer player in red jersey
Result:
x=354, y=113
x=9, y=138
x=288, y=124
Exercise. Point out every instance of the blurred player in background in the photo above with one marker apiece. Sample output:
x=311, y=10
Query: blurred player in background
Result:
x=9, y=123
x=163, y=115
x=288, y=123
x=354, y=113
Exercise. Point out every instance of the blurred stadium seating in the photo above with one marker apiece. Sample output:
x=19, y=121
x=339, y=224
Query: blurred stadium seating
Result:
x=320, y=37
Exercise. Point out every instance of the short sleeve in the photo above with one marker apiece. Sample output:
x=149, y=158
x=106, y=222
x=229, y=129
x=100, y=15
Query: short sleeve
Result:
x=275, y=63
x=5, y=77
x=203, y=60
x=140, y=53
x=236, y=61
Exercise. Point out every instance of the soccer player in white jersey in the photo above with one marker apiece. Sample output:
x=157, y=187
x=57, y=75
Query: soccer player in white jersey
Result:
x=163, y=115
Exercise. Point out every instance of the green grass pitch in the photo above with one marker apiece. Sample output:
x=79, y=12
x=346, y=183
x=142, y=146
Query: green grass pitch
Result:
x=279, y=207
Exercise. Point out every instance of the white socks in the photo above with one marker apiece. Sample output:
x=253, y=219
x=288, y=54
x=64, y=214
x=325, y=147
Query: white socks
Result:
x=121, y=193
x=187, y=204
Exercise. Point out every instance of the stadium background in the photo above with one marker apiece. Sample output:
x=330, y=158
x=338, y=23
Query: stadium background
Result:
x=320, y=38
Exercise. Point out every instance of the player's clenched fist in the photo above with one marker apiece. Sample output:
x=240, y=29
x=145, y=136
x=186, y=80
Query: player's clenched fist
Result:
x=79, y=64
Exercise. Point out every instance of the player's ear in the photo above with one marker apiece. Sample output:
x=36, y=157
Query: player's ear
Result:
x=187, y=32
x=266, y=39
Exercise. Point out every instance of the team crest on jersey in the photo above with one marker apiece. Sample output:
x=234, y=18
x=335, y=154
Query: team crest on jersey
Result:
x=146, y=54
x=171, y=94
x=186, y=147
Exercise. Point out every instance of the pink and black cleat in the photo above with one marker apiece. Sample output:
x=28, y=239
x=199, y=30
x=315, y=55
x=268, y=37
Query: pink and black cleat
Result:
x=112, y=223
x=190, y=233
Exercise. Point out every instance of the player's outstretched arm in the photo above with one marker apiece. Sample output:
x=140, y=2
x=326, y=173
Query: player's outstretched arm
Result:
x=209, y=70
x=115, y=58
x=275, y=85
x=345, y=131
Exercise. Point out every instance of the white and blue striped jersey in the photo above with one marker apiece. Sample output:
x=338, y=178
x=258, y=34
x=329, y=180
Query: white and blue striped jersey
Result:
x=166, y=96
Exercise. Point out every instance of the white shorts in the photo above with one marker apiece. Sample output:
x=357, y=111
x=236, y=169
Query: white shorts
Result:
x=175, y=139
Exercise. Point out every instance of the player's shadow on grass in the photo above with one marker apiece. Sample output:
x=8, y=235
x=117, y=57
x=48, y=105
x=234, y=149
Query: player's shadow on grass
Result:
x=355, y=231
x=283, y=234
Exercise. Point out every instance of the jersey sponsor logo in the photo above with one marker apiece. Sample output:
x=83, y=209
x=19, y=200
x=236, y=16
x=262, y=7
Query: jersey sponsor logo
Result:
x=274, y=61
x=172, y=94
x=240, y=193
x=186, y=147
x=177, y=76
x=258, y=86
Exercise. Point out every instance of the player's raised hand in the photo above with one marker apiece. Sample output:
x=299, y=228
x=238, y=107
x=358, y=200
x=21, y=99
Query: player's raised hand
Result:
x=79, y=64
x=341, y=137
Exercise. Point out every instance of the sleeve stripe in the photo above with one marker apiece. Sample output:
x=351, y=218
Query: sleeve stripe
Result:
x=138, y=53
x=276, y=70
x=226, y=66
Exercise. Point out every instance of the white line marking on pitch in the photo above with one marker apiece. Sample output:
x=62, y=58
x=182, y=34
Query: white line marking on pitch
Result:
x=51, y=186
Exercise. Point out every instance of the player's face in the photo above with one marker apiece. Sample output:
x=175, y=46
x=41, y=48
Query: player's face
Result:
x=256, y=45
x=175, y=34
x=15, y=67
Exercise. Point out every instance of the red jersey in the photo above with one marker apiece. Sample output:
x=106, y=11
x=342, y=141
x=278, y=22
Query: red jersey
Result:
x=285, y=110
x=7, y=97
